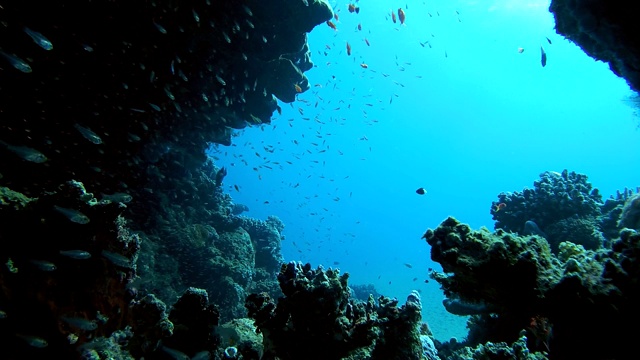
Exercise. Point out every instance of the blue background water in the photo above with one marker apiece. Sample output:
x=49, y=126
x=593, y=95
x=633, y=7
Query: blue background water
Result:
x=482, y=120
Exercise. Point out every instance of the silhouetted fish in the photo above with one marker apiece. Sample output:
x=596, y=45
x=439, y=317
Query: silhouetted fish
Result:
x=531, y=228
x=543, y=57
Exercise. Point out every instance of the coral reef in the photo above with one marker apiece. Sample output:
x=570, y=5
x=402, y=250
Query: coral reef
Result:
x=516, y=351
x=227, y=255
x=559, y=204
x=611, y=211
x=70, y=259
x=362, y=292
x=316, y=319
x=554, y=197
x=557, y=300
x=500, y=269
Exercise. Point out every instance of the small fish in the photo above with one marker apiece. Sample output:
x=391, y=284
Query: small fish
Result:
x=359, y=27
x=117, y=197
x=332, y=25
x=548, y=40
x=367, y=42
x=520, y=50
x=352, y=8
x=43, y=265
x=202, y=355
x=39, y=39
x=117, y=259
x=500, y=207
x=401, y=16
x=236, y=187
x=408, y=265
x=247, y=10
x=531, y=228
x=421, y=191
x=26, y=153
x=221, y=80
x=88, y=134
x=34, y=341
x=80, y=323
x=364, y=66
x=16, y=62
x=73, y=215
x=393, y=17
x=348, y=49
x=543, y=57
x=298, y=88
x=160, y=28
x=76, y=254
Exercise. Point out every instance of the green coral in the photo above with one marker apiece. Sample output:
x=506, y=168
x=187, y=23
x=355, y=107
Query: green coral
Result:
x=14, y=199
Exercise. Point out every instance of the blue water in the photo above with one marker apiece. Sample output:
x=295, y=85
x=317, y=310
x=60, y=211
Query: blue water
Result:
x=482, y=120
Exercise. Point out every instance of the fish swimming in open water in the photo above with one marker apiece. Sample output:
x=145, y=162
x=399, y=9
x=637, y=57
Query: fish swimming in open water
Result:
x=26, y=153
x=543, y=57
x=39, y=39
x=16, y=62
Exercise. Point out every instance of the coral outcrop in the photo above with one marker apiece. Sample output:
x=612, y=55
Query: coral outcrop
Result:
x=317, y=319
x=559, y=204
x=521, y=285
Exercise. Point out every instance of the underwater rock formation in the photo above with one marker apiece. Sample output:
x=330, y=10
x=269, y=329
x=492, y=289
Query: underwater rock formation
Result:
x=557, y=300
x=126, y=104
x=605, y=30
x=316, y=319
